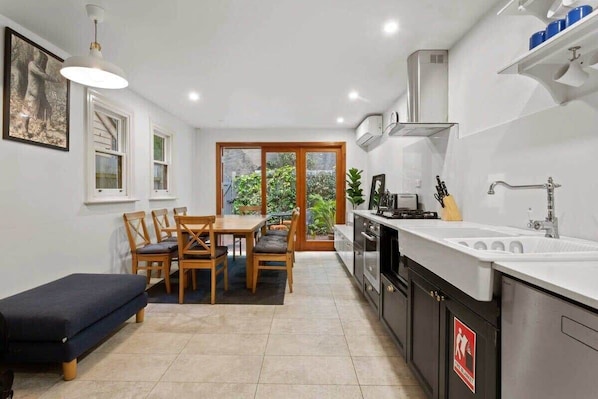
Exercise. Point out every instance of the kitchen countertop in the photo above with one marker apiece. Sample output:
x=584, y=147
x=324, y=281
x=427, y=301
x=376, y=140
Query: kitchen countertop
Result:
x=574, y=280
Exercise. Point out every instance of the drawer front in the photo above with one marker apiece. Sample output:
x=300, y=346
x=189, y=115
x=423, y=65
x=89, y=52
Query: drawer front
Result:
x=371, y=294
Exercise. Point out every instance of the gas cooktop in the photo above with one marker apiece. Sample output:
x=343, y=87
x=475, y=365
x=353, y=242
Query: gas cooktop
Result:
x=409, y=214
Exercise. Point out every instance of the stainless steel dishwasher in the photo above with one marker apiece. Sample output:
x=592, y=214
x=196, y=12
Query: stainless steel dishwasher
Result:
x=549, y=345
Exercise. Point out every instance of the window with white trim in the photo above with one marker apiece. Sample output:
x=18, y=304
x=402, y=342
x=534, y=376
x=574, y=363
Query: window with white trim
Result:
x=109, y=149
x=161, y=185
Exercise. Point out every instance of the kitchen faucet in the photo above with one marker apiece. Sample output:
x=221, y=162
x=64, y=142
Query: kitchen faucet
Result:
x=551, y=224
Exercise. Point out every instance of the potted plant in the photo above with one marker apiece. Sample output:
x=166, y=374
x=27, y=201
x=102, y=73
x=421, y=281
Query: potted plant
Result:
x=354, y=190
x=324, y=214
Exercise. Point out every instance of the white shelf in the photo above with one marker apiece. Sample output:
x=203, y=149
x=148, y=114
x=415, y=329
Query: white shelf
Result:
x=538, y=8
x=543, y=61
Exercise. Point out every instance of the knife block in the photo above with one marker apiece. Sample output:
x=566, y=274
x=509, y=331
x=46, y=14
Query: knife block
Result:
x=450, y=212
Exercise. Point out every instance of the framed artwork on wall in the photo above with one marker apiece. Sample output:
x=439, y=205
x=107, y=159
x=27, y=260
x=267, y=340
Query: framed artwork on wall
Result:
x=36, y=95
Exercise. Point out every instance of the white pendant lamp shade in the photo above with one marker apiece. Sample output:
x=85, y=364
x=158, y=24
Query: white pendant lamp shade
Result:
x=93, y=70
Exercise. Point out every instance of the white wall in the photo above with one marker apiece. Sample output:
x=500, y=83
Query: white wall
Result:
x=204, y=190
x=46, y=230
x=509, y=128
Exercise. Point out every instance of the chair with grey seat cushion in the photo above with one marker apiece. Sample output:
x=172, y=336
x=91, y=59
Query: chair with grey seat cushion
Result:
x=154, y=256
x=196, y=253
x=275, y=249
x=160, y=218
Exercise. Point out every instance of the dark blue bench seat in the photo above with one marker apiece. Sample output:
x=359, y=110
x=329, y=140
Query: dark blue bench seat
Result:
x=60, y=320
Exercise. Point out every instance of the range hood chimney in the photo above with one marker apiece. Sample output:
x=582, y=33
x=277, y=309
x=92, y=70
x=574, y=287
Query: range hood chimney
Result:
x=427, y=94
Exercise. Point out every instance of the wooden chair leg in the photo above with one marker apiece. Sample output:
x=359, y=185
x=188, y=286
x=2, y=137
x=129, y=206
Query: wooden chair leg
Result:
x=194, y=278
x=69, y=370
x=213, y=284
x=256, y=263
x=225, y=271
x=290, y=272
x=135, y=265
x=233, y=247
x=166, y=269
x=148, y=271
x=181, y=283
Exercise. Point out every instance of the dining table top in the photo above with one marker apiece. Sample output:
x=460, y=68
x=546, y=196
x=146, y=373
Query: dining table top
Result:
x=231, y=224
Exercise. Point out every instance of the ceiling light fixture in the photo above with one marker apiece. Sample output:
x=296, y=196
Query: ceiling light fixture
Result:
x=340, y=119
x=193, y=96
x=93, y=70
x=391, y=27
x=353, y=95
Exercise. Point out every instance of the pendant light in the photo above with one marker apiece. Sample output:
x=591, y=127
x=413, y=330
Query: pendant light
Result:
x=93, y=70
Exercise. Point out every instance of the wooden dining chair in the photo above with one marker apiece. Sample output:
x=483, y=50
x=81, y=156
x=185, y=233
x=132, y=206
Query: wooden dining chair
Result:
x=276, y=249
x=181, y=211
x=160, y=218
x=195, y=253
x=142, y=250
x=244, y=210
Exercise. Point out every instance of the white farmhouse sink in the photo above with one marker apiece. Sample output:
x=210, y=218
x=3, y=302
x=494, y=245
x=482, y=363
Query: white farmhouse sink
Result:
x=463, y=254
x=518, y=247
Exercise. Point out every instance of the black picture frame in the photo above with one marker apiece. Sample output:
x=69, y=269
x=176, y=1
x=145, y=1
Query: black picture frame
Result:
x=376, y=190
x=36, y=96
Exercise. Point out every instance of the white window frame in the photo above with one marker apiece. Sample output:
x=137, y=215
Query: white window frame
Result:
x=113, y=109
x=168, y=135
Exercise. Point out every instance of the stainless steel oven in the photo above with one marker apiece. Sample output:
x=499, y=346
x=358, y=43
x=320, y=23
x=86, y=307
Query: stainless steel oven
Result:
x=371, y=250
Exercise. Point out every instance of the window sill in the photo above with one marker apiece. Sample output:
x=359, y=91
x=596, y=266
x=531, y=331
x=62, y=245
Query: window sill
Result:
x=110, y=201
x=165, y=198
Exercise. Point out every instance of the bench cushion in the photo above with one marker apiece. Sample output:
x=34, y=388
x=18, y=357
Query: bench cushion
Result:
x=58, y=310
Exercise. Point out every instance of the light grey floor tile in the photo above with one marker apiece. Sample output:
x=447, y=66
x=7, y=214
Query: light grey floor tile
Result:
x=98, y=390
x=306, y=312
x=307, y=326
x=382, y=370
x=307, y=345
x=31, y=385
x=213, y=368
x=123, y=367
x=392, y=392
x=195, y=390
x=367, y=326
x=139, y=343
x=373, y=345
x=226, y=344
x=309, y=370
x=245, y=310
x=233, y=324
x=270, y=391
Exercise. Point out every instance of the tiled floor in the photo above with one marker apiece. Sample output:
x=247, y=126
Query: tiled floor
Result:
x=324, y=342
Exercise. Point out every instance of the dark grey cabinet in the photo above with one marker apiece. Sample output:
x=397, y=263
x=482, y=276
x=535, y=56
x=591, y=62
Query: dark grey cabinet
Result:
x=453, y=340
x=393, y=311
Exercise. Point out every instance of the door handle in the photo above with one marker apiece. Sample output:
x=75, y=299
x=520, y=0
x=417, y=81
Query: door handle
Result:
x=390, y=288
x=368, y=237
x=370, y=288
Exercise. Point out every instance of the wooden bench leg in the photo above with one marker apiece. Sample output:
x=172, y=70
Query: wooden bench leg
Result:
x=140, y=316
x=69, y=370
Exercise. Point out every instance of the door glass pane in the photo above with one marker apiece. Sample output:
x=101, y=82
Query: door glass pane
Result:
x=281, y=188
x=108, y=171
x=241, y=178
x=320, y=195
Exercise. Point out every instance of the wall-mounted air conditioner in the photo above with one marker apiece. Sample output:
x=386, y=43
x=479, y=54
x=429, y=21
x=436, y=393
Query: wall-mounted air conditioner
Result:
x=369, y=130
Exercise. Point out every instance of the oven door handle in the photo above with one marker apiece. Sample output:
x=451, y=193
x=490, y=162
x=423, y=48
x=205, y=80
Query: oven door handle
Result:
x=369, y=237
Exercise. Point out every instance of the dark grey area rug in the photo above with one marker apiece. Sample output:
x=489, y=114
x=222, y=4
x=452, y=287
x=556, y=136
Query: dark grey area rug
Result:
x=270, y=289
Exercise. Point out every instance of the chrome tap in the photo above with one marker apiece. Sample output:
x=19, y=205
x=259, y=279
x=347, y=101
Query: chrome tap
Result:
x=551, y=223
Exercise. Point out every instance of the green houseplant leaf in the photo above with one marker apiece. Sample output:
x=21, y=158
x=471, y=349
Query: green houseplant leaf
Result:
x=354, y=190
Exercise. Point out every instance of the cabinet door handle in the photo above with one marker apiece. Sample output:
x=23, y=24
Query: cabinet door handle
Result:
x=370, y=288
x=440, y=297
x=433, y=294
x=390, y=288
x=371, y=269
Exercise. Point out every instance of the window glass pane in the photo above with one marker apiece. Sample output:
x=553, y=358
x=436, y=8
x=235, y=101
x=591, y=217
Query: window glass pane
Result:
x=159, y=142
x=108, y=171
x=160, y=177
x=106, y=133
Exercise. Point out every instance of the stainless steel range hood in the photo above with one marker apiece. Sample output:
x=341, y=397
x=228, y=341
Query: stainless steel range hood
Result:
x=427, y=94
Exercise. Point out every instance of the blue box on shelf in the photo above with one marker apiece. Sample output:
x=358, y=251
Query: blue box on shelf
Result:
x=536, y=39
x=578, y=13
x=555, y=27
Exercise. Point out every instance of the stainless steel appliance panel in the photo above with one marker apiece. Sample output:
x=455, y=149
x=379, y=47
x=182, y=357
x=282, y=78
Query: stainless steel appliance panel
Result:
x=371, y=246
x=549, y=345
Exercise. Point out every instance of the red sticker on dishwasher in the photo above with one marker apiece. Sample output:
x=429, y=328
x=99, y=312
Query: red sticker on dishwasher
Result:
x=464, y=356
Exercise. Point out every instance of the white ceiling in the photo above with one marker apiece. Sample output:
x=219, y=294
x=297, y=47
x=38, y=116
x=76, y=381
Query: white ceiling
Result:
x=257, y=63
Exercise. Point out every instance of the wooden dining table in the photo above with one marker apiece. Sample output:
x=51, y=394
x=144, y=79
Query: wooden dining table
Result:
x=246, y=225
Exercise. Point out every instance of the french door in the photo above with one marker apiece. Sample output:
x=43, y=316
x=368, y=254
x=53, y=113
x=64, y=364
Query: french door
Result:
x=307, y=175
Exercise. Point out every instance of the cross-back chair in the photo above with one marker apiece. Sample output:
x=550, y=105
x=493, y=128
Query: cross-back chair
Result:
x=276, y=249
x=181, y=211
x=142, y=250
x=244, y=210
x=195, y=252
x=160, y=218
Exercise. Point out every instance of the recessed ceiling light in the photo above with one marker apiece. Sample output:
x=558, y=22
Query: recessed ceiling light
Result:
x=340, y=119
x=391, y=27
x=353, y=95
x=193, y=96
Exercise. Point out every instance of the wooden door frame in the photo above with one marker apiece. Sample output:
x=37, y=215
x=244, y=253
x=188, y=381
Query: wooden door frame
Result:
x=300, y=149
